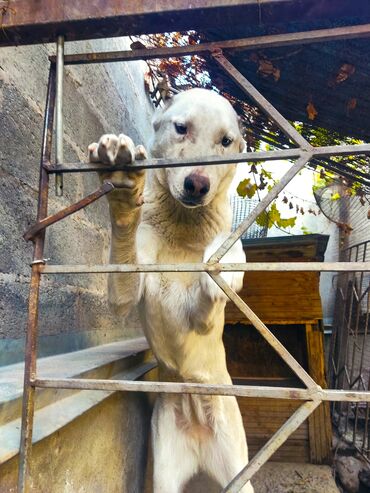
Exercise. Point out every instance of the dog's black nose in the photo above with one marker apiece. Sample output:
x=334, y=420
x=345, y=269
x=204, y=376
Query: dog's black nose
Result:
x=196, y=185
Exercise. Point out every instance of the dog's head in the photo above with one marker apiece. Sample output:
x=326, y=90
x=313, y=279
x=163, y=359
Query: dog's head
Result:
x=195, y=124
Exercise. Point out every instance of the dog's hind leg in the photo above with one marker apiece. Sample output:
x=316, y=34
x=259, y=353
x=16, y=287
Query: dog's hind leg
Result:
x=174, y=458
x=226, y=454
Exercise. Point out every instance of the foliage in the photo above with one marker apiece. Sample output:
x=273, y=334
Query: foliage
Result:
x=272, y=217
x=171, y=75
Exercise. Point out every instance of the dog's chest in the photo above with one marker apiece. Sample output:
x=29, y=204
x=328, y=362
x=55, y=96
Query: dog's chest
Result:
x=171, y=289
x=169, y=296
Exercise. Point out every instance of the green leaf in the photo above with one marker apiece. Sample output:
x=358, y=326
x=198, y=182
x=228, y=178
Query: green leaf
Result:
x=251, y=191
x=242, y=187
x=263, y=220
x=287, y=223
x=246, y=189
x=266, y=174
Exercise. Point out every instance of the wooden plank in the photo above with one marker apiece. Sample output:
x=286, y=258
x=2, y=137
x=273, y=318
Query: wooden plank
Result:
x=262, y=418
x=319, y=423
x=249, y=355
x=279, y=296
x=40, y=21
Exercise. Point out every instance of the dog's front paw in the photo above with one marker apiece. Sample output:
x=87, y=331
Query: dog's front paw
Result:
x=114, y=150
x=234, y=279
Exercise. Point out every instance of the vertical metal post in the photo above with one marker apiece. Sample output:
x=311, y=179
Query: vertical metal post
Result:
x=32, y=324
x=59, y=115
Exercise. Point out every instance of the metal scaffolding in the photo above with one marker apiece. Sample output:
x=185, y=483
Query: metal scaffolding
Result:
x=312, y=394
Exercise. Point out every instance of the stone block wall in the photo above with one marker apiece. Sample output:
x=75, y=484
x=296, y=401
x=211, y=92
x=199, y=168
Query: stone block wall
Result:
x=97, y=99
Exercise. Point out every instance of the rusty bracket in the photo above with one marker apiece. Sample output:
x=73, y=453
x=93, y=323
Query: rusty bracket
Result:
x=71, y=209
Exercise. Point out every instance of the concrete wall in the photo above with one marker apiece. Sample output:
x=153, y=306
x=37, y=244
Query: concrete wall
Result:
x=98, y=99
x=103, y=451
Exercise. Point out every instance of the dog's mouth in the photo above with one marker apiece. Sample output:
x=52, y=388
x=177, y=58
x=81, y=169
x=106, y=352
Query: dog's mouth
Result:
x=191, y=202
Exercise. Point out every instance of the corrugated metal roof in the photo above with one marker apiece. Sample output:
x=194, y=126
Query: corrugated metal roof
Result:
x=241, y=208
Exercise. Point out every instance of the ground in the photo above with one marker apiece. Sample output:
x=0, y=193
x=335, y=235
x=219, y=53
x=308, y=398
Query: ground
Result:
x=278, y=477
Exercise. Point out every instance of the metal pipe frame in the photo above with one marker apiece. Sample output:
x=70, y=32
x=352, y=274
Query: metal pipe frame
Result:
x=209, y=267
x=252, y=43
x=59, y=114
x=315, y=152
x=312, y=393
x=33, y=304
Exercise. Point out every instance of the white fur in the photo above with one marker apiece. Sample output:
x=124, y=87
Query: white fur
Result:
x=182, y=313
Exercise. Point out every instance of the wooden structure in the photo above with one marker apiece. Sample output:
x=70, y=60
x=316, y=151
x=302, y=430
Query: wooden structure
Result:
x=289, y=303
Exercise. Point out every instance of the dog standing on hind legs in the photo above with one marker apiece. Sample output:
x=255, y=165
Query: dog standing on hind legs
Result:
x=184, y=217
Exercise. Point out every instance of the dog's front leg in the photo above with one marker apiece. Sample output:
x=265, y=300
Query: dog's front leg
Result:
x=205, y=299
x=124, y=206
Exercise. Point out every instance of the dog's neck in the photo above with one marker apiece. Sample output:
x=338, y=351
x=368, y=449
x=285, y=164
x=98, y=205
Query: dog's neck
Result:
x=195, y=227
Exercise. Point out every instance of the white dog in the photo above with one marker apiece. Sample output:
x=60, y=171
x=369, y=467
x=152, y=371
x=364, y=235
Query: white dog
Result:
x=186, y=215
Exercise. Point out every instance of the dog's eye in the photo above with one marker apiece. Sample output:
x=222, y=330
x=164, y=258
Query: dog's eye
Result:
x=181, y=128
x=226, y=141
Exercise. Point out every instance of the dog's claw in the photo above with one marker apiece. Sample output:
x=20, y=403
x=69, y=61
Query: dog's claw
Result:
x=93, y=153
x=107, y=148
x=140, y=200
x=125, y=150
x=140, y=153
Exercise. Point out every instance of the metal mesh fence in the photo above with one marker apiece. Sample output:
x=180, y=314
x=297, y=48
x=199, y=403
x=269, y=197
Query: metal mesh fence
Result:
x=241, y=209
x=349, y=359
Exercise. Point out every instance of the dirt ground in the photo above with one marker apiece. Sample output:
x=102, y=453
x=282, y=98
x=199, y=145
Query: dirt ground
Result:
x=278, y=477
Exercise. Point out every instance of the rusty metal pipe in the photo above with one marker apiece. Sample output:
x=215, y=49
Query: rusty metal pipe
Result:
x=317, y=152
x=33, y=305
x=48, y=221
x=253, y=43
x=59, y=114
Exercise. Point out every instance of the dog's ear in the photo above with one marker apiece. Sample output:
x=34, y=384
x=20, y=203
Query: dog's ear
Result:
x=242, y=143
x=242, y=146
x=157, y=118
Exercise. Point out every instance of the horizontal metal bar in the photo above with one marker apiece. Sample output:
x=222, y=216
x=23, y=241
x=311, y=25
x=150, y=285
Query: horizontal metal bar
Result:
x=262, y=391
x=174, y=388
x=253, y=43
x=317, y=152
x=209, y=267
x=278, y=438
x=341, y=150
x=178, y=163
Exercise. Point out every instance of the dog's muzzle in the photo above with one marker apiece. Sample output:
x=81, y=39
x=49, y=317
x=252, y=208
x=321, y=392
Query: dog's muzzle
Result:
x=196, y=187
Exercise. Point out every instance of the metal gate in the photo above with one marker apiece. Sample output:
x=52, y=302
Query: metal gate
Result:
x=349, y=365
x=312, y=395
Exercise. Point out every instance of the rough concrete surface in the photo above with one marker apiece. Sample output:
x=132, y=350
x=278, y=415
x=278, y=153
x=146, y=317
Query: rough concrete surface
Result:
x=277, y=477
x=97, y=99
x=103, y=451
